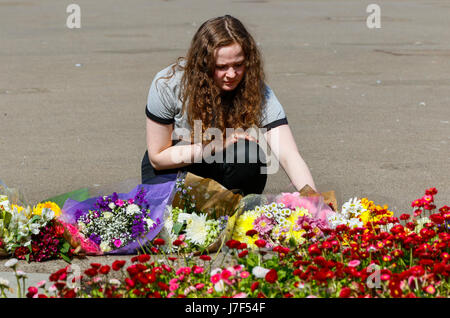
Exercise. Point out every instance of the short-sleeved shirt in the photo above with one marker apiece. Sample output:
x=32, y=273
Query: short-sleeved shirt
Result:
x=164, y=105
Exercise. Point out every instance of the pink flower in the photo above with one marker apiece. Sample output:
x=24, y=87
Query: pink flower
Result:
x=245, y=274
x=184, y=270
x=225, y=274
x=170, y=295
x=354, y=263
x=263, y=224
x=430, y=289
x=215, y=278
x=41, y=284
x=290, y=200
x=240, y=295
x=130, y=201
x=198, y=270
x=119, y=203
x=174, y=287
x=173, y=281
x=199, y=286
x=117, y=243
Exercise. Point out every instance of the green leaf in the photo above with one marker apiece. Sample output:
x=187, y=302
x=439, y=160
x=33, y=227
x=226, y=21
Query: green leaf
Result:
x=27, y=257
x=65, y=257
x=177, y=228
x=65, y=248
x=77, y=195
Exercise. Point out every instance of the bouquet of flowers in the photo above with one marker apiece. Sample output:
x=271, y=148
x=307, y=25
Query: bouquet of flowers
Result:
x=360, y=213
x=201, y=217
x=115, y=222
x=275, y=224
x=118, y=223
x=34, y=234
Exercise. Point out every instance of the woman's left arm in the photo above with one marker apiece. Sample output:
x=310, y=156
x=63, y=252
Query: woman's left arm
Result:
x=282, y=143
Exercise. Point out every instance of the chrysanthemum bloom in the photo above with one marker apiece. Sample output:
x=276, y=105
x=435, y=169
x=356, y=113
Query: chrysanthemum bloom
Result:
x=196, y=229
x=263, y=225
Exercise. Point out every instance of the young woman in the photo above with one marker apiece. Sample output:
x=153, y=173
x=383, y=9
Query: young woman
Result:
x=219, y=85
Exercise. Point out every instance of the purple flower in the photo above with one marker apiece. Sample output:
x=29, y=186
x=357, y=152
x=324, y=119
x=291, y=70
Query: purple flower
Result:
x=95, y=238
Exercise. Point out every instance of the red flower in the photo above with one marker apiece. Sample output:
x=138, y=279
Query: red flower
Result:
x=32, y=291
x=91, y=272
x=159, y=241
x=205, y=258
x=117, y=265
x=242, y=246
x=20, y=252
x=96, y=265
x=254, y=286
x=232, y=244
x=104, y=269
x=243, y=254
x=70, y=294
x=345, y=292
x=163, y=286
x=431, y=191
x=143, y=258
x=130, y=283
x=271, y=276
x=260, y=243
x=251, y=232
x=436, y=218
x=177, y=242
x=404, y=217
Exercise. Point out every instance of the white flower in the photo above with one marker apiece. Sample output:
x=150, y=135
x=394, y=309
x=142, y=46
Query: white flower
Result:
x=260, y=272
x=133, y=209
x=47, y=214
x=220, y=286
x=11, y=263
x=150, y=222
x=21, y=274
x=111, y=205
x=197, y=229
x=107, y=215
x=215, y=271
x=184, y=217
x=104, y=246
x=82, y=226
x=34, y=228
x=114, y=281
x=4, y=283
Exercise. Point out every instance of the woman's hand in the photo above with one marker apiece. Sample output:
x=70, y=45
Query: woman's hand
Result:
x=230, y=140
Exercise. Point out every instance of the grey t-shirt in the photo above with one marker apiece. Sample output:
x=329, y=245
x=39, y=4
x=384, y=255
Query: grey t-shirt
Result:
x=164, y=106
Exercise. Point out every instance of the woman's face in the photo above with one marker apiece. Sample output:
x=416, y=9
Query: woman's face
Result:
x=230, y=66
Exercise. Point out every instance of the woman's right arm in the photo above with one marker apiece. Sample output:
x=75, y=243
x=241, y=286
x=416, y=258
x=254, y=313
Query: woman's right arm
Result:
x=162, y=154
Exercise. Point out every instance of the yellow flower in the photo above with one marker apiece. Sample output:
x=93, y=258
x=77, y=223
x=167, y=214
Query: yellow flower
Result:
x=373, y=212
x=37, y=210
x=244, y=223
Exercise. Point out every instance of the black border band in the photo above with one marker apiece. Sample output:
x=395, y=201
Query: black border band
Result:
x=160, y=120
x=276, y=123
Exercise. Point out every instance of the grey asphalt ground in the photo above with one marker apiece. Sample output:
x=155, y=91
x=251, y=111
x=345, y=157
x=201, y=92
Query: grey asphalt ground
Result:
x=369, y=108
